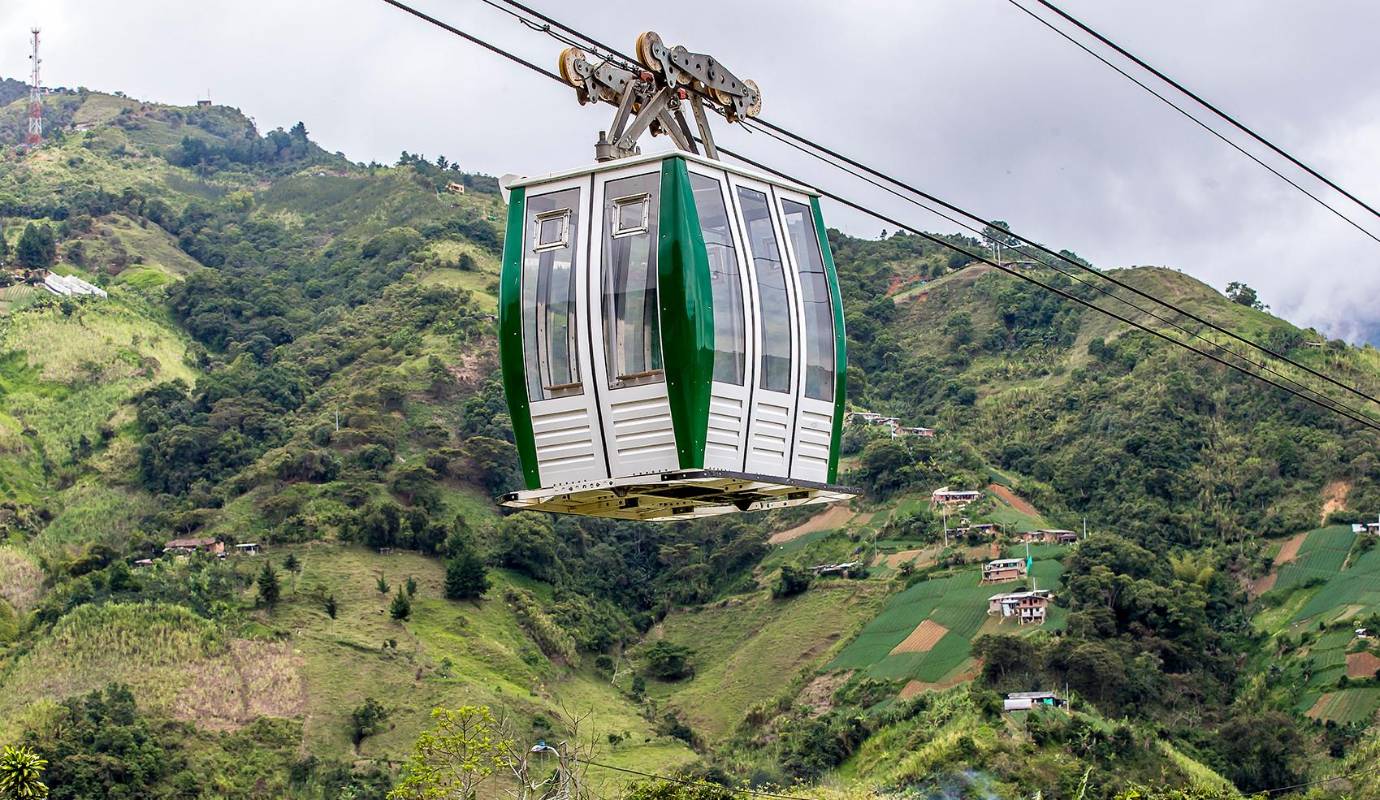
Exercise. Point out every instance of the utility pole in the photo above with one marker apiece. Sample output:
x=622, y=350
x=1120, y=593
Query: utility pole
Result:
x=35, y=134
x=1085, y=527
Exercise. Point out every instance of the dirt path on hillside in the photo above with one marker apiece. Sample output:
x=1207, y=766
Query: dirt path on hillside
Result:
x=1290, y=550
x=835, y=516
x=1012, y=499
x=1334, y=499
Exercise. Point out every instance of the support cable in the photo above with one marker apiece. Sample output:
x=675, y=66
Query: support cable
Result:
x=1210, y=107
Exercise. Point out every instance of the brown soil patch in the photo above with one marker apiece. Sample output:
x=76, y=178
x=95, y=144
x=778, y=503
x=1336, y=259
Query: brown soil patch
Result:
x=836, y=516
x=252, y=679
x=1362, y=665
x=1334, y=499
x=1318, y=707
x=1261, y=585
x=913, y=688
x=1290, y=550
x=1012, y=499
x=818, y=695
x=920, y=557
x=920, y=640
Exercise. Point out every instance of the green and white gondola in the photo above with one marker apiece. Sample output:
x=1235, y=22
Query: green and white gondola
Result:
x=670, y=327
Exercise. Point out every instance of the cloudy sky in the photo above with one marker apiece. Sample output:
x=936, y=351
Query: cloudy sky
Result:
x=970, y=99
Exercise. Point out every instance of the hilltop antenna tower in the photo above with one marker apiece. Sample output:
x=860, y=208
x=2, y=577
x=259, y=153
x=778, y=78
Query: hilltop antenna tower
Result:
x=35, y=135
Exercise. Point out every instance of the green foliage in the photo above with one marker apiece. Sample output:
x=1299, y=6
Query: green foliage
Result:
x=668, y=661
x=37, y=247
x=466, y=577
x=269, y=589
x=546, y=632
x=21, y=774
x=401, y=608
x=330, y=606
x=791, y=581
x=457, y=755
x=367, y=719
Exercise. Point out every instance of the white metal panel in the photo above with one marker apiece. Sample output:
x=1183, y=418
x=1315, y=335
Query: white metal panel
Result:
x=727, y=436
x=656, y=158
x=566, y=429
x=771, y=417
x=638, y=437
x=814, y=427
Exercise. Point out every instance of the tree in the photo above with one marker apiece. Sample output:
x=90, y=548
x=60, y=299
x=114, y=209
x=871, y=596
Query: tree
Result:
x=527, y=543
x=1241, y=294
x=411, y=586
x=668, y=662
x=37, y=247
x=457, y=755
x=21, y=774
x=367, y=720
x=291, y=564
x=269, y=590
x=466, y=577
x=381, y=585
x=401, y=607
x=4, y=246
x=792, y=581
x=331, y=606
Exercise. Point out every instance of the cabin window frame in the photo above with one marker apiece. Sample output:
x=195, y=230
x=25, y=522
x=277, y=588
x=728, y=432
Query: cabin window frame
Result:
x=627, y=255
x=731, y=299
x=817, y=334
x=550, y=373
x=774, y=329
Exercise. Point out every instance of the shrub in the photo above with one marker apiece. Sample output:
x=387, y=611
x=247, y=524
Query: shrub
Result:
x=791, y=582
x=667, y=661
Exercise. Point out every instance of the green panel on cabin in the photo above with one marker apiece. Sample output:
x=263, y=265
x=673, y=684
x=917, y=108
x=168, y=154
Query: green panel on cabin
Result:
x=687, y=313
x=840, y=341
x=510, y=340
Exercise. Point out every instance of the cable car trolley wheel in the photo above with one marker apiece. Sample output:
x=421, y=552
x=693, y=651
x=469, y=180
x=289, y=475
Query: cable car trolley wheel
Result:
x=671, y=338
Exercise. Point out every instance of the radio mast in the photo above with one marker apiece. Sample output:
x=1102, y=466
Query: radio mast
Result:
x=35, y=135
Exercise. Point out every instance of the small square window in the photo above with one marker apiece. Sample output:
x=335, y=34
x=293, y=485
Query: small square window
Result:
x=630, y=215
x=553, y=230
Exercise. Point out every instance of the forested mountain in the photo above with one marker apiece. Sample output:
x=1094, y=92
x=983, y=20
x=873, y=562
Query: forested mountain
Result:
x=297, y=353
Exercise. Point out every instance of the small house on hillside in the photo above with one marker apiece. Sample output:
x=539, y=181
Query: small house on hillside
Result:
x=892, y=424
x=194, y=544
x=1003, y=570
x=1372, y=528
x=1028, y=608
x=835, y=569
x=143, y=562
x=978, y=529
x=953, y=498
x=1048, y=536
x=247, y=549
x=1024, y=701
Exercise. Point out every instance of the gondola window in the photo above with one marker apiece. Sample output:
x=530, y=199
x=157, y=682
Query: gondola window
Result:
x=548, y=296
x=632, y=323
x=730, y=335
x=771, y=290
x=814, y=297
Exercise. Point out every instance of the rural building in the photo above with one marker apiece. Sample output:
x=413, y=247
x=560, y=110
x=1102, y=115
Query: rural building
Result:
x=892, y=424
x=455, y=188
x=980, y=529
x=1024, y=701
x=68, y=286
x=1028, y=608
x=247, y=549
x=203, y=103
x=1003, y=570
x=143, y=562
x=193, y=544
x=1048, y=537
x=836, y=569
x=1366, y=527
x=953, y=498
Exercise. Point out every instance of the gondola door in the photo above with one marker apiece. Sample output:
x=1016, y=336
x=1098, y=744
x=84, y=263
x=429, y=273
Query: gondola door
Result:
x=771, y=419
x=819, y=368
x=639, y=436
x=734, y=347
x=555, y=348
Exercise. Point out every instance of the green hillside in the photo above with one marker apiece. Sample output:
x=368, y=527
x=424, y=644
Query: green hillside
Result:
x=297, y=352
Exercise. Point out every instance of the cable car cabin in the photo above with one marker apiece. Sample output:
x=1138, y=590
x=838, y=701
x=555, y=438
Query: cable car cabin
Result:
x=671, y=335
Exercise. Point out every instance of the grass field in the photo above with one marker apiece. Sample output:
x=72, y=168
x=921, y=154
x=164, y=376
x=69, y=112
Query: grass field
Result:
x=1347, y=705
x=957, y=602
x=748, y=649
x=1321, y=556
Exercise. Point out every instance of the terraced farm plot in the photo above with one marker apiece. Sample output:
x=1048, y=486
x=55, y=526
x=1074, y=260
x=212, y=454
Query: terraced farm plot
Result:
x=1322, y=555
x=1346, y=705
x=957, y=603
x=1362, y=665
x=922, y=639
